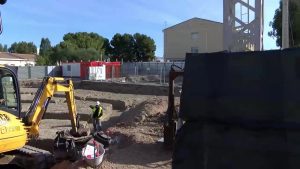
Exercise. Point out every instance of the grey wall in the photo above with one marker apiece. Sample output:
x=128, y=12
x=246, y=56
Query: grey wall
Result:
x=38, y=72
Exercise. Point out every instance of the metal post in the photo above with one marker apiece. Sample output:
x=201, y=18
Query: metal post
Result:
x=170, y=123
x=164, y=73
x=29, y=72
x=285, y=24
x=46, y=71
x=161, y=74
x=156, y=71
x=112, y=72
x=149, y=69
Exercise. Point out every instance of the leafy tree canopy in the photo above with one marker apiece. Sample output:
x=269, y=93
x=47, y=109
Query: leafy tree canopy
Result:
x=137, y=47
x=107, y=47
x=276, y=24
x=83, y=40
x=81, y=46
x=45, y=47
x=123, y=46
x=3, y=48
x=71, y=54
x=144, y=47
x=43, y=60
x=23, y=47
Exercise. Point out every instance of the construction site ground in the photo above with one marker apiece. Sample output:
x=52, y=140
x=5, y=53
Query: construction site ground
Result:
x=134, y=121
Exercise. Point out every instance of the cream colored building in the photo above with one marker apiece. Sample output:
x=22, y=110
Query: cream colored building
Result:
x=192, y=36
x=16, y=59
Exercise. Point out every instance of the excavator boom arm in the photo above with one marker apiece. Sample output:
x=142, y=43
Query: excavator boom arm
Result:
x=49, y=87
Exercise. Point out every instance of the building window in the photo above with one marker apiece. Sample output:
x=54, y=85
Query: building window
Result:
x=195, y=35
x=69, y=68
x=194, y=50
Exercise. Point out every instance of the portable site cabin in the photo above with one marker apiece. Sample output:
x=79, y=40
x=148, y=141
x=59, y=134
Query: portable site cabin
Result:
x=94, y=70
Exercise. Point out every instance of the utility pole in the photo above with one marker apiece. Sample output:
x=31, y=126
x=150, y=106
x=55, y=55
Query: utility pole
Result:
x=285, y=24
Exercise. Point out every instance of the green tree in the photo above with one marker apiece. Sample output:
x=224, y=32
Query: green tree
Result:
x=81, y=46
x=59, y=54
x=42, y=60
x=144, y=47
x=107, y=47
x=45, y=47
x=138, y=47
x=84, y=40
x=1, y=47
x=87, y=54
x=23, y=47
x=5, y=49
x=123, y=47
x=71, y=54
x=294, y=27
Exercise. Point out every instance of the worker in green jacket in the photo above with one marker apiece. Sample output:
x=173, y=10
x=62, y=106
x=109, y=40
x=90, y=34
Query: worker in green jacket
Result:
x=97, y=112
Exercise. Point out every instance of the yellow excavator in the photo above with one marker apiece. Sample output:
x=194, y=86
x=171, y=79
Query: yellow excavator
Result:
x=15, y=131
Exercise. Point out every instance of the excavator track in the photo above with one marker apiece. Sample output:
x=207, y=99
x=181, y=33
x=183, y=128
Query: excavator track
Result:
x=30, y=150
x=29, y=157
x=37, y=158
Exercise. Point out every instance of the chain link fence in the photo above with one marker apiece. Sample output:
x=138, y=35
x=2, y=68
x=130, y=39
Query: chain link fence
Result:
x=157, y=72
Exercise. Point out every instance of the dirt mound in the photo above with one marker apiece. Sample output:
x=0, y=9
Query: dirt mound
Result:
x=152, y=107
x=149, y=108
x=138, y=79
x=136, y=140
x=31, y=83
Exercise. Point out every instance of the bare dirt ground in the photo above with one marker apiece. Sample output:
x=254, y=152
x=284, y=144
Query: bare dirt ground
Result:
x=134, y=121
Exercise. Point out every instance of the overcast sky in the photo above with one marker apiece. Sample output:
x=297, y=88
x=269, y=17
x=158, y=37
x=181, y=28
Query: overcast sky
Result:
x=30, y=20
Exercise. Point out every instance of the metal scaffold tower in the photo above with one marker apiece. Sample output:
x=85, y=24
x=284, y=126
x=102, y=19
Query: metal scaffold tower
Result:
x=243, y=25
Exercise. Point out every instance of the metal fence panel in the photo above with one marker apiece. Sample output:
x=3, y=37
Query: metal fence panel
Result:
x=38, y=72
x=147, y=68
x=23, y=73
x=55, y=71
x=160, y=69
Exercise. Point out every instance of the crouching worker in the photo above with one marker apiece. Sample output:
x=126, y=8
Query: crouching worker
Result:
x=97, y=113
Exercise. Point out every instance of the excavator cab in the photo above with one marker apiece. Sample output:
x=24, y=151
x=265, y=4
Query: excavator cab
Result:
x=12, y=132
x=9, y=92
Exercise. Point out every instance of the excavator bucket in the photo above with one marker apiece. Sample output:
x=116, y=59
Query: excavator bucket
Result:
x=83, y=128
x=68, y=145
